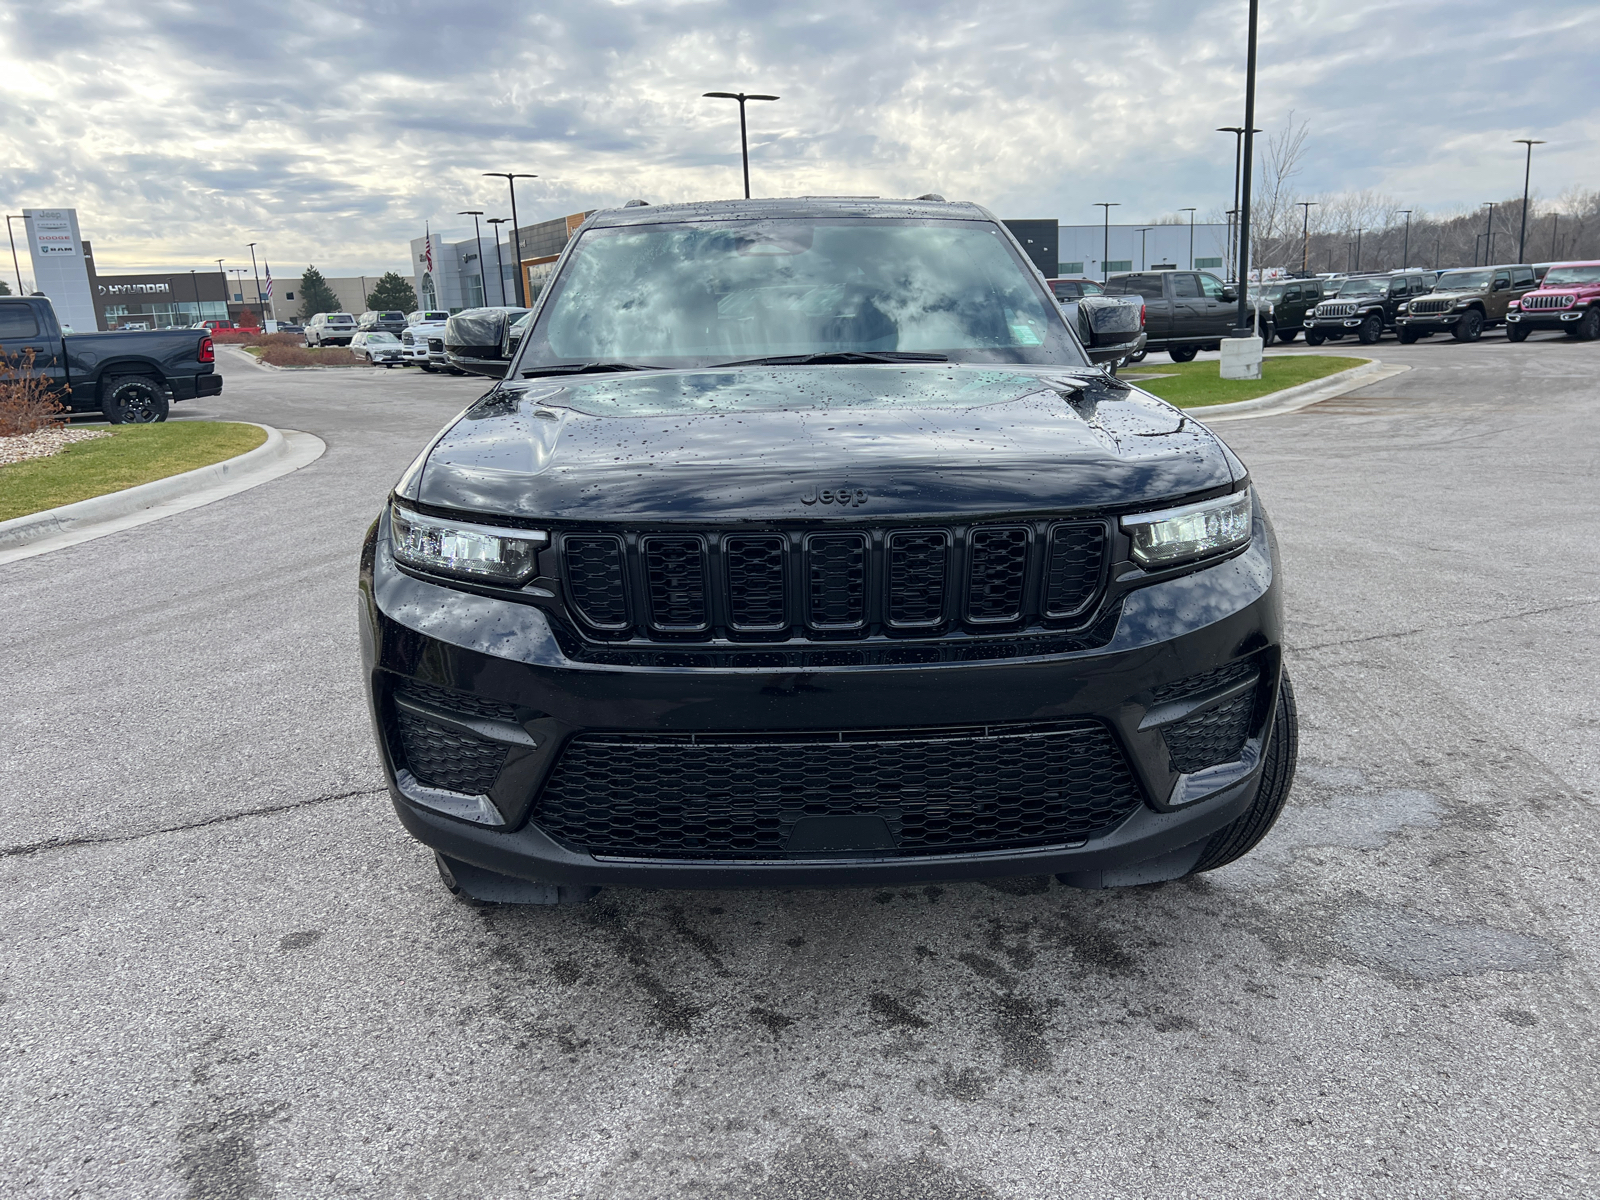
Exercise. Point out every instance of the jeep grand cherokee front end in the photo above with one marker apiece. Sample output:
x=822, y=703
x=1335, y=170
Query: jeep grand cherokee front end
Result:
x=803, y=545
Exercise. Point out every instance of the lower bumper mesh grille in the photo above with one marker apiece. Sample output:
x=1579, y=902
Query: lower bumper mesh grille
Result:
x=443, y=758
x=741, y=796
x=1211, y=736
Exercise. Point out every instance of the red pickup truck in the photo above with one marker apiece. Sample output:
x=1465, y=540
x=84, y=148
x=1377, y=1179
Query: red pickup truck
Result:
x=1568, y=299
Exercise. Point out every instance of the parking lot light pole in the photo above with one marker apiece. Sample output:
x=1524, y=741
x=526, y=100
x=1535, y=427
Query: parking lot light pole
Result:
x=1405, y=254
x=1527, y=173
x=1238, y=134
x=1190, y=211
x=10, y=217
x=224, y=275
x=257, y=270
x=1555, y=224
x=511, y=178
x=483, y=280
x=498, y=262
x=1142, y=232
x=1242, y=325
x=1106, y=249
x=1488, y=234
x=744, y=141
x=1305, y=235
x=1358, y=249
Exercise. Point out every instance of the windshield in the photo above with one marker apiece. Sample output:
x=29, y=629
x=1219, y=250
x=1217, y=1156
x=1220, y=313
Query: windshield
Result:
x=1269, y=293
x=378, y=339
x=1567, y=276
x=341, y=319
x=716, y=292
x=1363, y=287
x=1461, y=281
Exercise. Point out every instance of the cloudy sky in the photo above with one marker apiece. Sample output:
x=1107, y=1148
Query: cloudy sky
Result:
x=329, y=131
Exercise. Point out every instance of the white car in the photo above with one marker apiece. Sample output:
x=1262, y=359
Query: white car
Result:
x=414, y=342
x=378, y=347
x=330, y=329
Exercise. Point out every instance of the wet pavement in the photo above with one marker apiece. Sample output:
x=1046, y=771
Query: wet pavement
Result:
x=226, y=972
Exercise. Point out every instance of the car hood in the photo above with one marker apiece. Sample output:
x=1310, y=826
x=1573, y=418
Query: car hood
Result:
x=956, y=440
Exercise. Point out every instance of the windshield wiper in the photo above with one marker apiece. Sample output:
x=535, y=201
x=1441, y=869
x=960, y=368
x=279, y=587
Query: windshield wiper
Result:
x=838, y=356
x=588, y=368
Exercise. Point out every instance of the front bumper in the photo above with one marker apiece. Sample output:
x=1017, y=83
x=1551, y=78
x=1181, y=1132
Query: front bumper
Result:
x=416, y=630
x=1446, y=320
x=1551, y=319
x=1333, y=324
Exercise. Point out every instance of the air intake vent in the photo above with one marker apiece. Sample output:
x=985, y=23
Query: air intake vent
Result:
x=595, y=578
x=917, y=567
x=838, y=580
x=999, y=569
x=675, y=572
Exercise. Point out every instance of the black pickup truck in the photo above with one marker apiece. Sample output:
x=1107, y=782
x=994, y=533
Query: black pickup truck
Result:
x=131, y=377
x=1185, y=311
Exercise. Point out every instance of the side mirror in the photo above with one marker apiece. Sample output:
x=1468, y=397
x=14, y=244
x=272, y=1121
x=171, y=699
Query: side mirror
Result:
x=1500, y=285
x=1229, y=295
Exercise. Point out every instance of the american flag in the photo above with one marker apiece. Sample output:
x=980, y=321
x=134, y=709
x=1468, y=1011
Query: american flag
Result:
x=427, y=250
x=269, y=279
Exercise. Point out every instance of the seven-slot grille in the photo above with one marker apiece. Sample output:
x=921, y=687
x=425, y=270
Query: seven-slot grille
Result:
x=773, y=585
x=1429, y=307
x=1335, y=309
x=1545, y=301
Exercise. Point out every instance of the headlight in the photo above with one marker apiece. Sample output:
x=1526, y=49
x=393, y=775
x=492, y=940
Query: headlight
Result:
x=1405, y=306
x=463, y=549
x=1463, y=303
x=1176, y=535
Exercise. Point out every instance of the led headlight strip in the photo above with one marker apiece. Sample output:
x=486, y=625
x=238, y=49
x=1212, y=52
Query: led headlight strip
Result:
x=1178, y=535
x=463, y=549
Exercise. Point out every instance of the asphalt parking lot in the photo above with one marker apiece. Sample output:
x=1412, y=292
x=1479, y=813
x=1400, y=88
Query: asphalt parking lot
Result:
x=227, y=973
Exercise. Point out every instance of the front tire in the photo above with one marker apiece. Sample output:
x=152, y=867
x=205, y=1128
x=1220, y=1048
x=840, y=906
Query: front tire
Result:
x=1516, y=333
x=1182, y=354
x=133, y=400
x=1370, y=330
x=1277, y=778
x=1589, y=327
x=1469, y=328
x=1408, y=337
x=1313, y=338
x=1285, y=336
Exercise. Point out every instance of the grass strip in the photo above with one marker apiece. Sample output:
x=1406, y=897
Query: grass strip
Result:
x=132, y=455
x=1197, y=384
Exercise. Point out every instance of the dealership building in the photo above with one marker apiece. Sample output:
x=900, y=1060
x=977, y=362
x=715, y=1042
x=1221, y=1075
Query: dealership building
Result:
x=453, y=275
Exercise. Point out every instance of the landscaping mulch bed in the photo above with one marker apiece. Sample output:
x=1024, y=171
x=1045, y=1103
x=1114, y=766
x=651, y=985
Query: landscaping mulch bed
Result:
x=43, y=443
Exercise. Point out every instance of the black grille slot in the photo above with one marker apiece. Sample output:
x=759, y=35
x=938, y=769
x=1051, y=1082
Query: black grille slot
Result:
x=740, y=796
x=675, y=573
x=597, y=580
x=1205, y=681
x=999, y=571
x=1077, y=553
x=755, y=582
x=443, y=758
x=838, y=580
x=459, y=702
x=917, y=566
x=1212, y=735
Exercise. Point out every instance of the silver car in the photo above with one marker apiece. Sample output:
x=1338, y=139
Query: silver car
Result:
x=378, y=347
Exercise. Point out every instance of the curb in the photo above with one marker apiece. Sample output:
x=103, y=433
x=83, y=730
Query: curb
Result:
x=55, y=528
x=1301, y=395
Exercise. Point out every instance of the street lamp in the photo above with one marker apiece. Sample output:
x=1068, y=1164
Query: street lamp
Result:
x=1305, y=235
x=1555, y=224
x=1405, y=255
x=10, y=217
x=257, y=271
x=511, y=178
x=1238, y=134
x=483, y=282
x=1190, y=211
x=1488, y=245
x=1358, y=250
x=744, y=142
x=1527, y=171
x=1142, y=232
x=1106, y=250
x=224, y=275
x=498, y=262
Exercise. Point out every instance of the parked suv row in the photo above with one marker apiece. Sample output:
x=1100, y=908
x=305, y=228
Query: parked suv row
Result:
x=1464, y=302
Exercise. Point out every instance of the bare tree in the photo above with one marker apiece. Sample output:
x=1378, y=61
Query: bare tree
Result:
x=1274, y=200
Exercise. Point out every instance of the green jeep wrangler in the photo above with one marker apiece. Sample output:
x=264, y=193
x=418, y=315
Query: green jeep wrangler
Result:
x=1285, y=303
x=1464, y=302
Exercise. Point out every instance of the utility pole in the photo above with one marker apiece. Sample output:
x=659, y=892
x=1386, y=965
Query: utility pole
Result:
x=10, y=217
x=1305, y=234
x=1105, y=273
x=1190, y=211
x=1488, y=247
x=1405, y=255
x=511, y=178
x=1527, y=173
x=744, y=141
x=1358, y=250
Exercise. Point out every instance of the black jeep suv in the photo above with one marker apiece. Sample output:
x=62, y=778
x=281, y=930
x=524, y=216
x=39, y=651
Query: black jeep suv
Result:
x=803, y=544
x=1365, y=305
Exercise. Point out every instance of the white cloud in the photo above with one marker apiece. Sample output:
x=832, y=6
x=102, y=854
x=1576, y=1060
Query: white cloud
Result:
x=329, y=132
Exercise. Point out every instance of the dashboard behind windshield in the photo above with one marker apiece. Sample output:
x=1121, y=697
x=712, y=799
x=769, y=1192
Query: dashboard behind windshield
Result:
x=706, y=293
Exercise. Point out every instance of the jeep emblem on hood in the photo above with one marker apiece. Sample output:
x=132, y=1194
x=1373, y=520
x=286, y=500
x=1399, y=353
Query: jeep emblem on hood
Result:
x=849, y=497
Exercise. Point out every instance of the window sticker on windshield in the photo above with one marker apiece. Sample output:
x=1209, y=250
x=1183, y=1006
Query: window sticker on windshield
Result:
x=1024, y=335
